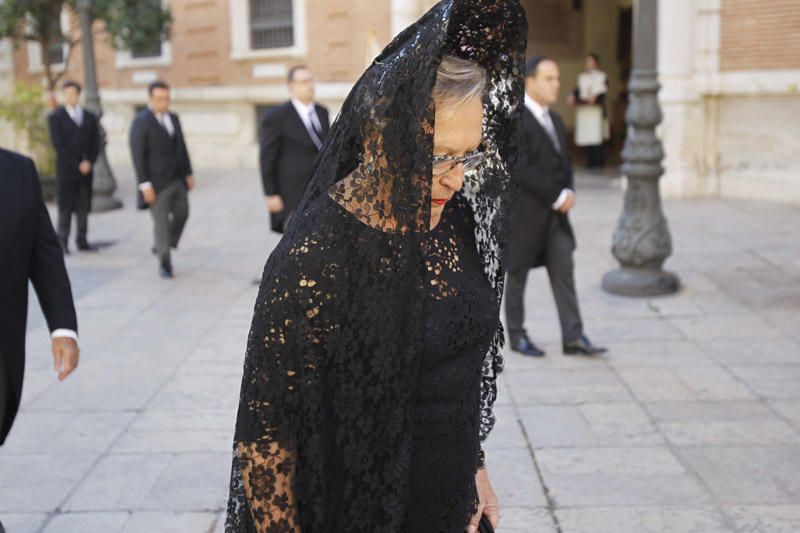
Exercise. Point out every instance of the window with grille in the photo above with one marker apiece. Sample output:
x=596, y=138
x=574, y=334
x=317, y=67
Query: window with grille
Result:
x=151, y=50
x=56, y=53
x=271, y=24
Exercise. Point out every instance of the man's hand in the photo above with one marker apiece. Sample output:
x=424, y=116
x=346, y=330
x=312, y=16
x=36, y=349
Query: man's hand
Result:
x=274, y=203
x=65, y=356
x=487, y=502
x=569, y=203
x=149, y=195
x=189, y=182
x=85, y=167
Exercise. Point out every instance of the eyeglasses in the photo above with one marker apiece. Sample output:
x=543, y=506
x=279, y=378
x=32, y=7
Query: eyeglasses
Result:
x=443, y=164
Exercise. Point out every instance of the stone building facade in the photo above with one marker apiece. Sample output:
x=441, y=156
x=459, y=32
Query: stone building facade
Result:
x=730, y=71
x=226, y=60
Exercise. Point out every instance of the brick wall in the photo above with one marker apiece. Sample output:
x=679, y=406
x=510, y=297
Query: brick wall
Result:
x=760, y=34
x=337, y=36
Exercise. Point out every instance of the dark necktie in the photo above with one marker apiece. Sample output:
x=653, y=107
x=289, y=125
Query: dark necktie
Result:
x=163, y=122
x=316, y=134
x=549, y=127
x=77, y=116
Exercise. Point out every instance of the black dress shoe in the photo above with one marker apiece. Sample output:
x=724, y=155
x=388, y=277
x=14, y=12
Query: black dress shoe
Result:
x=583, y=346
x=86, y=247
x=526, y=347
x=166, y=272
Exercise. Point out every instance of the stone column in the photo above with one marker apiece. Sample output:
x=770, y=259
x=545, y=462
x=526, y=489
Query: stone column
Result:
x=403, y=14
x=104, y=182
x=642, y=241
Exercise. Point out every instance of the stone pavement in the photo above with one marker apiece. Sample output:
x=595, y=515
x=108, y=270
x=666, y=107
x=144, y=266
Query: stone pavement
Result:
x=691, y=423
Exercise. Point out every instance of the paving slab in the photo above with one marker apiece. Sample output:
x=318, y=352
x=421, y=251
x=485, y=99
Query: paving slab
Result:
x=586, y=477
x=526, y=520
x=86, y=522
x=766, y=518
x=777, y=382
x=40, y=482
x=589, y=425
x=22, y=522
x=148, y=522
x=119, y=482
x=747, y=475
x=642, y=520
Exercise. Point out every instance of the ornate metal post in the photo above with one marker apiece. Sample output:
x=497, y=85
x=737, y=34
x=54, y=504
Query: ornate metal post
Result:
x=104, y=183
x=642, y=241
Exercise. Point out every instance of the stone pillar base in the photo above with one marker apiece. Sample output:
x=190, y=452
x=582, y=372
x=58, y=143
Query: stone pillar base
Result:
x=101, y=204
x=627, y=281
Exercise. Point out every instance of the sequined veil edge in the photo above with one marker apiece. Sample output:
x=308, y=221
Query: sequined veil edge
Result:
x=322, y=438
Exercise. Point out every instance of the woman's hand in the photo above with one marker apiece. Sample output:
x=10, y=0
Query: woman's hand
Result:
x=487, y=505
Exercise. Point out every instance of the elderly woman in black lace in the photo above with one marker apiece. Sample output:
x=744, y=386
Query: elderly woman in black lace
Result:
x=369, y=377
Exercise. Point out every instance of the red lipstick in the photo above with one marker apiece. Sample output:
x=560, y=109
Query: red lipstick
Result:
x=439, y=201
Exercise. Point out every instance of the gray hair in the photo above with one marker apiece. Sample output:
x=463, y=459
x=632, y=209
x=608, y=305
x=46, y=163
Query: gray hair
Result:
x=458, y=81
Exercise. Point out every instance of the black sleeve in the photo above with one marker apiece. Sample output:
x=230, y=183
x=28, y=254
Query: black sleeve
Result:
x=138, y=142
x=93, y=149
x=55, y=134
x=562, y=131
x=186, y=164
x=531, y=178
x=570, y=174
x=48, y=274
x=326, y=119
x=270, y=140
x=600, y=98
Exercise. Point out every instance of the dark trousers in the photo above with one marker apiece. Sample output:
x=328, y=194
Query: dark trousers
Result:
x=75, y=196
x=595, y=156
x=560, y=269
x=170, y=212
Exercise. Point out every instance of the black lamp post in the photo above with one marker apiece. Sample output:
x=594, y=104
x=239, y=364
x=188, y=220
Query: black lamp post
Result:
x=104, y=182
x=642, y=240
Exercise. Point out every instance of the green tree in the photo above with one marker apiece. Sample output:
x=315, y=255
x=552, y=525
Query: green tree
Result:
x=129, y=24
x=25, y=111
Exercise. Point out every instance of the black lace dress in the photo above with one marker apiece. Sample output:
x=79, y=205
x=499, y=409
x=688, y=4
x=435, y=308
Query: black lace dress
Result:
x=460, y=316
x=363, y=399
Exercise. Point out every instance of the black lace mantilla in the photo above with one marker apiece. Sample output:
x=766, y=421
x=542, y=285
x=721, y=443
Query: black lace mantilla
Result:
x=324, y=429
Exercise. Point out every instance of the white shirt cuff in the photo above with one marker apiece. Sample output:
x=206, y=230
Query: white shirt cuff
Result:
x=145, y=185
x=64, y=333
x=561, y=199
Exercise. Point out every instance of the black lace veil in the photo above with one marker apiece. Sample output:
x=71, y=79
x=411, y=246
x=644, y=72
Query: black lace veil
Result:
x=323, y=436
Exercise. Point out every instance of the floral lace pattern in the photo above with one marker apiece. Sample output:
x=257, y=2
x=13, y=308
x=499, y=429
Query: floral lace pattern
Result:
x=460, y=319
x=325, y=432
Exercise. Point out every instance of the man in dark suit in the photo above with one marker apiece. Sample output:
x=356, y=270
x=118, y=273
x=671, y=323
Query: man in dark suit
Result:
x=163, y=171
x=75, y=136
x=291, y=137
x=541, y=233
x=29, y=250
